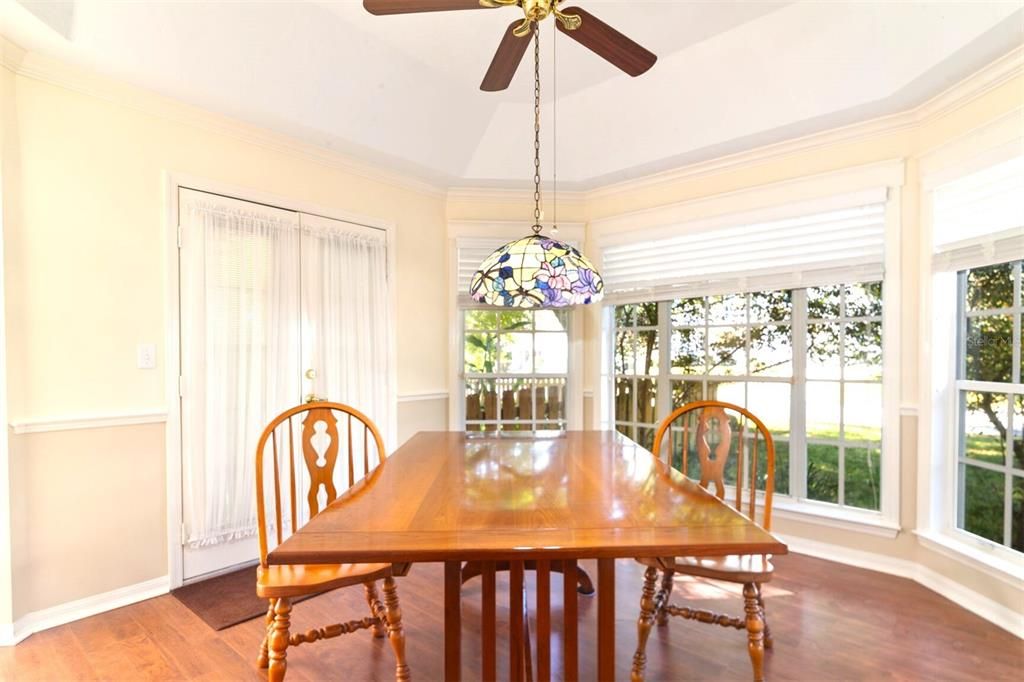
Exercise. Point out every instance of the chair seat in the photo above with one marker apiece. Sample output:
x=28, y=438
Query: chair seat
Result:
x=300, y=579
x=737, y=568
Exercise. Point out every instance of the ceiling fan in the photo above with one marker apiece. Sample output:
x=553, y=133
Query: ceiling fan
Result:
x=578, y=24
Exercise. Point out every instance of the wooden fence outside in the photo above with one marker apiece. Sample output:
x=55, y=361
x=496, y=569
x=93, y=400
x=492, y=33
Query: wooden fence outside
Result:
x=512, y=401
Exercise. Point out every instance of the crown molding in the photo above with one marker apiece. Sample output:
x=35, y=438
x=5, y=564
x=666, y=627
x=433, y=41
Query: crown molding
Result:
x=58, y=73
x=987, y=78
x=958, y=95
x=570, y=199
x=61, y=74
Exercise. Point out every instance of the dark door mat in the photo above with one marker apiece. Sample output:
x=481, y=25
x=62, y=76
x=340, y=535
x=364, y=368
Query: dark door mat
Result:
x=227, y=599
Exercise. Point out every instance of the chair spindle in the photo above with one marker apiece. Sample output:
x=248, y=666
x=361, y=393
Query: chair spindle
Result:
x=351, y=474
x=739, y=465
x=366, y=449
x=291, y=475
x=277, y=488
x=753, y=480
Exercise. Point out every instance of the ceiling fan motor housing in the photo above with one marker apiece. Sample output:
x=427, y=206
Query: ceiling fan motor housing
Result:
x=538, y=10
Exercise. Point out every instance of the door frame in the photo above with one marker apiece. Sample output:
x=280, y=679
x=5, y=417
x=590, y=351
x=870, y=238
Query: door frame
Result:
x=172, y=182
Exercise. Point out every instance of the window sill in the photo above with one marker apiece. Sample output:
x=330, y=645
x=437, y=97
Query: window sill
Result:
x=858, y=521
x=977, y=554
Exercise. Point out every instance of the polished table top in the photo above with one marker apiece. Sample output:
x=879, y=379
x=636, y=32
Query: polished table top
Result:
x=587, y=494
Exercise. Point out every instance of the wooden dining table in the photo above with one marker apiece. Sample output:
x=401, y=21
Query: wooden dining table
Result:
x=510, y=499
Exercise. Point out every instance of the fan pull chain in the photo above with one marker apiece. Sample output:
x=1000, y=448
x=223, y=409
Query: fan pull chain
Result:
x=536, y=128
x=554, y=128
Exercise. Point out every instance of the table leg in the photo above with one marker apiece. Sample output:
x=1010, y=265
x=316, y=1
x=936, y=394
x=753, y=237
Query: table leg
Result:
x=543, y=621
x=515, y=626
x=488, y=631
x=569, y=618
x=452, y=621
x=605, y=619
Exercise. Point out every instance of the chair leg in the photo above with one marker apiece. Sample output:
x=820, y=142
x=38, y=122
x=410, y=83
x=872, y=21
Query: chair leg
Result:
x=667, y=583
x=263, y=660
x=396, y=635
x=644, y=623
x=376, y=609
x=769, y=643
x=279, y=640
x=755, y=630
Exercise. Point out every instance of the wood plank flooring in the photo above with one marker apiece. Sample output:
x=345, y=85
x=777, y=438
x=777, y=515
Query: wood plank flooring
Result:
x=830, y=622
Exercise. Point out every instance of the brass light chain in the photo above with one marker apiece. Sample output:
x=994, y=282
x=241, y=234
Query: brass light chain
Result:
x=536, y=128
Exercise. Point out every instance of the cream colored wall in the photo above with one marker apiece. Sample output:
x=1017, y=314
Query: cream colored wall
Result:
x=90, y=513
x=6, y=208
x=86, y=254
x=421, y=415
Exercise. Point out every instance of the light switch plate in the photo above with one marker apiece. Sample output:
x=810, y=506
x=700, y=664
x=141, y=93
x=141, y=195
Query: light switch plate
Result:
x=145, y=356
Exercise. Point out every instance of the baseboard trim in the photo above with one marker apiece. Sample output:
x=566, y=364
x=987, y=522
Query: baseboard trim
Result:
x=966, y=598
x=37, y=621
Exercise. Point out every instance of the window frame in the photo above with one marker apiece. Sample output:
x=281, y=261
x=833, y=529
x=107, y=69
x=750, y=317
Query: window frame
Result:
x=468, y=231
x=885, y=522
x=796, y=498
x=992, y=143
x=498, y=376
x=960, y=386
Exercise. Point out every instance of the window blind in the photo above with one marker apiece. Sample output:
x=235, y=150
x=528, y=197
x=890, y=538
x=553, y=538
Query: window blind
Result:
x=978, y=219
x=469, y=254
x=843, y=243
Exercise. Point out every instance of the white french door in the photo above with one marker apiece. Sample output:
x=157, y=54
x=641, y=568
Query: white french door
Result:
x=276, y=306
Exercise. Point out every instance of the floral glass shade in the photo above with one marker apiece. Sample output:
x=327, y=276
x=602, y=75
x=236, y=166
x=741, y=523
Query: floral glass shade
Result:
x=536, y=272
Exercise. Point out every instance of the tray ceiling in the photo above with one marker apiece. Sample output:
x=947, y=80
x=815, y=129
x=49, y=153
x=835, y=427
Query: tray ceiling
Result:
x=402, y=91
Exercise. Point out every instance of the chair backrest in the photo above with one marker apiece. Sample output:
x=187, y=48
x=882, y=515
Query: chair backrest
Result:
x=317, y=433
x=723, y=441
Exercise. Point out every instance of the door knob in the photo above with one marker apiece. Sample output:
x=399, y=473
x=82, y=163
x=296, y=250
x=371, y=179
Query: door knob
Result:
x=311, y=373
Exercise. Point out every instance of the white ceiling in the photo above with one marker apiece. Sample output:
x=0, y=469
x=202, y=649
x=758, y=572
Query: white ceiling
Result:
x=403, y=90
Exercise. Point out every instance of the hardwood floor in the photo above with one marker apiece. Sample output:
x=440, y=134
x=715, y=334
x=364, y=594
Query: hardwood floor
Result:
x=830, y=622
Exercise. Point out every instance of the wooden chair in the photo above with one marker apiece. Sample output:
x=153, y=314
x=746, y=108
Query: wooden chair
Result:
x=724, y=440
x=317, y=437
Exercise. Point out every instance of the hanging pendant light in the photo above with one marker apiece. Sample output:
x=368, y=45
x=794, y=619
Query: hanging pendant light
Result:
x=536, y=271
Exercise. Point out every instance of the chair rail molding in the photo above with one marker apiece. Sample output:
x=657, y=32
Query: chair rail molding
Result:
x=422, y=396
x=87, y=421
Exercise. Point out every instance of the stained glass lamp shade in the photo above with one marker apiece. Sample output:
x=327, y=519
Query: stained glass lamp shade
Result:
x=536, y=272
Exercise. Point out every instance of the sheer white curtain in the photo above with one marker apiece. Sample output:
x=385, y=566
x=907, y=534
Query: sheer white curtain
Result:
x=240, y=354
x=346, y=332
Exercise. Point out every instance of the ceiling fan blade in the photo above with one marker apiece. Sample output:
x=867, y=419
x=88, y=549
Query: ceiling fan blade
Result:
x=604, y=40
x=506, y=60
x=410, y=6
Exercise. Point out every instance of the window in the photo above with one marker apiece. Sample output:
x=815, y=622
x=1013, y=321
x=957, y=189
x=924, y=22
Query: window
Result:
x=808, y=362
x=990, y=399
x=636, y=371
x=515, y=369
